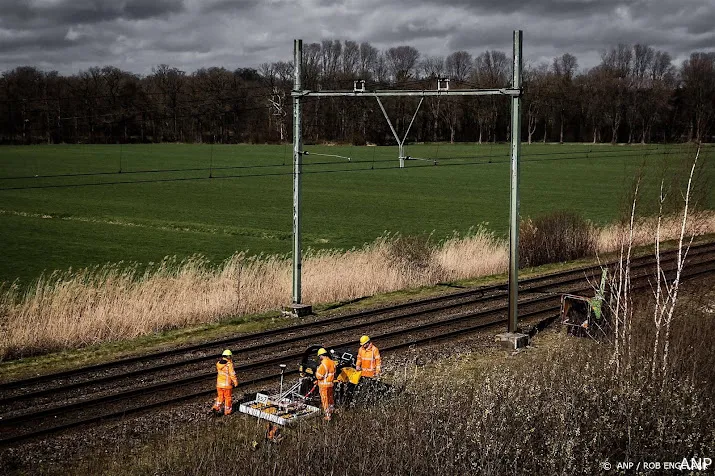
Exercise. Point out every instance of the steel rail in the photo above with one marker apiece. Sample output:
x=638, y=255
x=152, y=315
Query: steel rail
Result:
x=36, y=393
x=269, y=363
x=643, y=260
x=265, y=363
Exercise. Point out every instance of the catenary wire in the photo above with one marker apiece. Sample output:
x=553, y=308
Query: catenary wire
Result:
x=273, y=174
x=590, y=155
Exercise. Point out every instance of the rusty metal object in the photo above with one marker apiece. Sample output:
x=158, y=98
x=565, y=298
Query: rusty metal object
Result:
x=586, y=316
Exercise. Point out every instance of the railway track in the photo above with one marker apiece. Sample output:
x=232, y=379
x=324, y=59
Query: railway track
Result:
x=38, y=406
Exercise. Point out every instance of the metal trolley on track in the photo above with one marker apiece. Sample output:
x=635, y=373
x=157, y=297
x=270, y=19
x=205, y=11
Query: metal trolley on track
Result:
x=302, y=400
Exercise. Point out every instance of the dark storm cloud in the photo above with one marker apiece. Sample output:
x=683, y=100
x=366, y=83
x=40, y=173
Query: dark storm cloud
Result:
x=231, y=6
x=410, y=31
x=587, y=28
x=69, y=35
x=53, y=39
x=533, y=7
x=705, y=43
x=27, y=13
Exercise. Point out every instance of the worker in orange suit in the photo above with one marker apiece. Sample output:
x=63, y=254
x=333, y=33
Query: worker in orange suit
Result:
x=325, y=374
x=368, y=358
x=225, y=381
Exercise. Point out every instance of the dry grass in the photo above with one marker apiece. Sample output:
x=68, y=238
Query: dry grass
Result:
x=610, y=237
x=479, y=254
x=79, y=308
x=552, y=410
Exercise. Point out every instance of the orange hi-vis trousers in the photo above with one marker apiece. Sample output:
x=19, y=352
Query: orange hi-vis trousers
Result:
x=326, y=398
x=225, y=398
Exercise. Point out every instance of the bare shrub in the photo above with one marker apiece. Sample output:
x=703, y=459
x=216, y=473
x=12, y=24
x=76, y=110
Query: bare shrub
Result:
x=557, y=237
x=665, y=289
x=410, y=252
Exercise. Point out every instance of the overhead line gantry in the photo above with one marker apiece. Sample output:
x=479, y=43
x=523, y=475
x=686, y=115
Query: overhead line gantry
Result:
x=359, y=90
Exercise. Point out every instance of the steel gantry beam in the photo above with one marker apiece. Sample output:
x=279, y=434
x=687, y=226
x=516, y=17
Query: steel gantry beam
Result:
x=413, y=93
x=514, y=93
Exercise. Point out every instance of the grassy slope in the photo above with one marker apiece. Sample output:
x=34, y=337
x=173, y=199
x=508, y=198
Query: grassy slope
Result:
x=145, y=222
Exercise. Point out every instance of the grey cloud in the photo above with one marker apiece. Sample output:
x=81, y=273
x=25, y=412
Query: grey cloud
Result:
x=705, y=43
x=139, y=9
x=230, y=6
x=480, y=39
x=412, y=30
x=85, y=11
x=136, y=34
x=180, y=43
x=695, y=21
x=53, y=40
x=537, y=7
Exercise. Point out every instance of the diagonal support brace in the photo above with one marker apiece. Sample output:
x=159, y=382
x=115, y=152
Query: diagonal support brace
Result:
x=400, y=143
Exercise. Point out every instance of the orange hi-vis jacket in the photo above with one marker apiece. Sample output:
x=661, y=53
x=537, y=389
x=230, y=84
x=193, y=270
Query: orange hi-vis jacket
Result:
x=325, y=373
x=226, y=374
x=368, y=361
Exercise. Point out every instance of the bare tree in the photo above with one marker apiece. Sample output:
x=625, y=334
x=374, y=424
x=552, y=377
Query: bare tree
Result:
x=459, y=65
x=171, y=82
x=635, y=93
x=92, y=88
x=402, y=61
x=368, y=60
x=491, y=70
x=593, y=83
x=350, y=58
x=652, y=76
x=698, y=75
x=615, y=66
x=277, y=77
x=564, y=68
x=331, y=51
x=433, y=68
x=381, y=72
x=311, y=65
x=535, y=84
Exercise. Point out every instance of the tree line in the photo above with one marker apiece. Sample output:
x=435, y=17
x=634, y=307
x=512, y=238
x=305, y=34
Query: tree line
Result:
x=635, y=94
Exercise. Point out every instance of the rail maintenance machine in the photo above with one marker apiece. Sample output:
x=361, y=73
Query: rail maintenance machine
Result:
x=302, y=400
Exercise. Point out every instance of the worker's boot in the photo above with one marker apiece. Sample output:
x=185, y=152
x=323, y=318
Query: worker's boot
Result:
x=273, y=434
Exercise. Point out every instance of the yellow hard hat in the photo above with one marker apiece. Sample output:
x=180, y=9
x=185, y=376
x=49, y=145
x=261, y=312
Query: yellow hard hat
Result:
x=322, y=351
x=227, y=353
x=364, y=340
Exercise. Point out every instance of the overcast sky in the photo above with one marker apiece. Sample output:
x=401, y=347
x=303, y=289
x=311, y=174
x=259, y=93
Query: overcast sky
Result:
x=134, y=35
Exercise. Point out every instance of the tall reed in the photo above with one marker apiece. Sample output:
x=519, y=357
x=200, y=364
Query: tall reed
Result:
x=77, y=308
x=82, y=307
x=644, y=229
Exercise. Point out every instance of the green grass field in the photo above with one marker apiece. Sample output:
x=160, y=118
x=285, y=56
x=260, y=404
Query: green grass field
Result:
x=52, y=222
